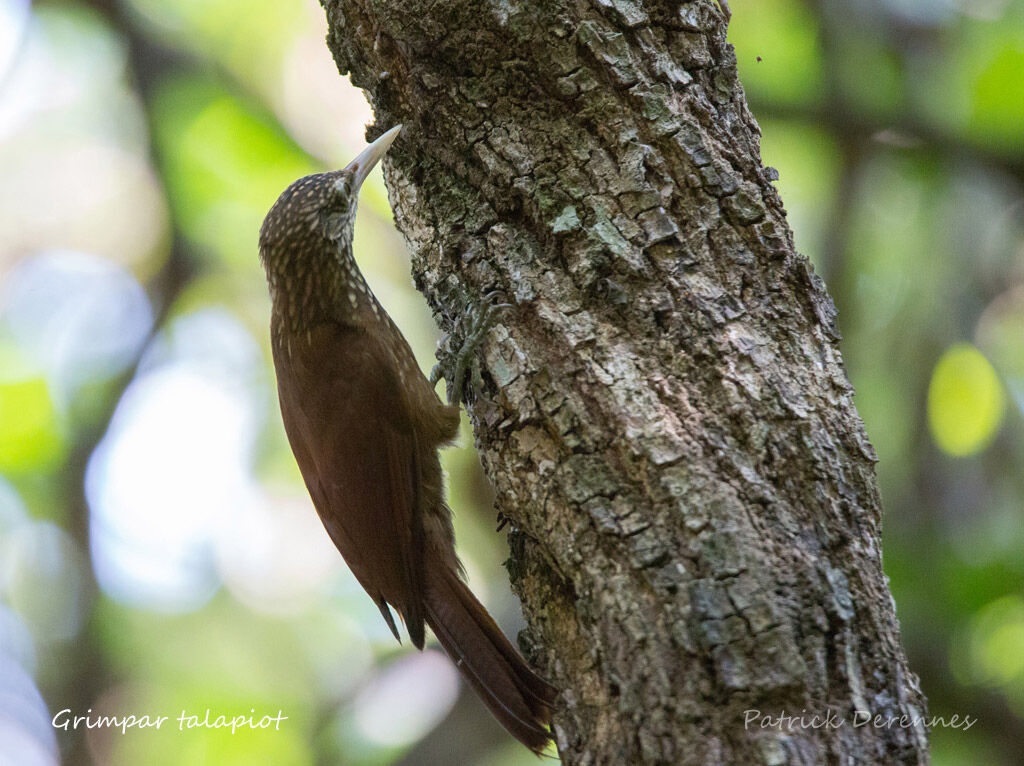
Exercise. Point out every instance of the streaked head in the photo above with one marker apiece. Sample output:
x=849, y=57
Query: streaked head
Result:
x=318, y=211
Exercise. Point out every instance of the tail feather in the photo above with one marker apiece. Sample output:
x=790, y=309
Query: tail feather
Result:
x=519, y=698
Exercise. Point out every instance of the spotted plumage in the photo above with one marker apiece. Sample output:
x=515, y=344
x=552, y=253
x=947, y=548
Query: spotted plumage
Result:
x=365, y=426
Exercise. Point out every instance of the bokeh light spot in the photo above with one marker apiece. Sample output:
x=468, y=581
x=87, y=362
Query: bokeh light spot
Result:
x=80, y=316
x=996, y=646
x=965, y=401
x=32, y=438
x=408, y=699
x=175, y=465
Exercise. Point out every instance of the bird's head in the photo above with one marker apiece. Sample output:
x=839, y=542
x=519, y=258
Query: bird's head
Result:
x=317, y=212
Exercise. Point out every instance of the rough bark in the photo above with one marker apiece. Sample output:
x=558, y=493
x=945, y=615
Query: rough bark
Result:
x=664, y=411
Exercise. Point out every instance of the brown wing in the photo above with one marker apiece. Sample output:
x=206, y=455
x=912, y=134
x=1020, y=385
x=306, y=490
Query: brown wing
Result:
x=345, y=417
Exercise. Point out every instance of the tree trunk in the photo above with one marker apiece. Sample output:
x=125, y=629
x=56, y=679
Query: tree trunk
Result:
x=664, y=411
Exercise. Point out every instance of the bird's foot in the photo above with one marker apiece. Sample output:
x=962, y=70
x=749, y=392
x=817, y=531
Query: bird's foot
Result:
x=454, y=363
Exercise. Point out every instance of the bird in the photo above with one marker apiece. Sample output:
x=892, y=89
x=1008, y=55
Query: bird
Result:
x=365, y=425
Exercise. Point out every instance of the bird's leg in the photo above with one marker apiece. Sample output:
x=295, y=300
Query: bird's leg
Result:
x=453, y=364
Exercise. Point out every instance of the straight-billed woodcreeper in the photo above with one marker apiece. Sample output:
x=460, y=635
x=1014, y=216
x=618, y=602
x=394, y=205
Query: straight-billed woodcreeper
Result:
x=365, y=425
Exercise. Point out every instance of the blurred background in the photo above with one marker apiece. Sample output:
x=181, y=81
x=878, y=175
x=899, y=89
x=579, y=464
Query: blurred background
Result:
x=158, y=552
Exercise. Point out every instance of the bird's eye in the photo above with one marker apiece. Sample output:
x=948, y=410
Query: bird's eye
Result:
x=339, y=207
x=343, y=189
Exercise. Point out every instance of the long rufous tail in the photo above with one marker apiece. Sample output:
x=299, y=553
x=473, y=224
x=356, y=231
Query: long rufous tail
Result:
x=519, y=698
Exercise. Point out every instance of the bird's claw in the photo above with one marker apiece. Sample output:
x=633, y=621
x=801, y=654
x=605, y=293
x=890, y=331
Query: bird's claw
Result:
x=453, y=365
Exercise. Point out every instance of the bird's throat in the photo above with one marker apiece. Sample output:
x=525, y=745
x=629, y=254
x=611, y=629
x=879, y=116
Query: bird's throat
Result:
x=315, y=290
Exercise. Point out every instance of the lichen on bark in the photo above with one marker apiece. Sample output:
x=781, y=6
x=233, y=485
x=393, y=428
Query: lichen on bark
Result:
x=664, y=411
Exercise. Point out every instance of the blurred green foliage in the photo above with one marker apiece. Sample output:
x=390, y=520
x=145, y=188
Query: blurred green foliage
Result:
x=33, y=439
x=898, y=130
x=223, y=165
x=965, y=401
